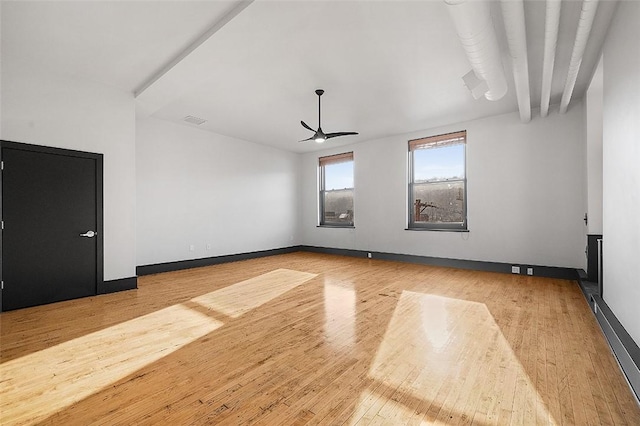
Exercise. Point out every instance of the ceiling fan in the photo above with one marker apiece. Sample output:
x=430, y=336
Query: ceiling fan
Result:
x=320, y=136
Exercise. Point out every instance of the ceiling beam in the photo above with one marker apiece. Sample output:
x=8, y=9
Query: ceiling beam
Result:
x=551, y=26
x=588, y=13
x=513, y=16
x=181, y=72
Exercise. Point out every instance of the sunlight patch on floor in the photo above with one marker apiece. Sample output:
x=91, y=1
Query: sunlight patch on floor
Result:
x=340, y=315
x=244, y=296
x=446, y=360
x=46, y=381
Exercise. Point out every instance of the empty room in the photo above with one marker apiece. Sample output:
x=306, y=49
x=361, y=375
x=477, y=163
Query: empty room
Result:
x=320, y=212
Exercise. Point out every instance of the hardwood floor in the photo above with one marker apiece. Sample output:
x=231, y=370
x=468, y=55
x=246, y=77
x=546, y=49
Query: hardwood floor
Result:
x=319, y=339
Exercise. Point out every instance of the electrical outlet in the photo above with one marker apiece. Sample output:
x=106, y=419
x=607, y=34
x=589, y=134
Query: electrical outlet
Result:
x=192, y=248
x=515, y=269
x=369, y=255
x=208, y=246
x=529, y=271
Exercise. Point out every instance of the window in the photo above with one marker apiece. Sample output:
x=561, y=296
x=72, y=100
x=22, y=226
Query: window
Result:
x=336, y=190
x=437, y=182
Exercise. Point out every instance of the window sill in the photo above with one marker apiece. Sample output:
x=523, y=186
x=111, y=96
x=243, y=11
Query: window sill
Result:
x=437, y=229
x=336, y=226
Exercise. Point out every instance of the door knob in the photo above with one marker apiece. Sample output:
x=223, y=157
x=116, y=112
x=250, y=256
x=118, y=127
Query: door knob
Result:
x=89, y=234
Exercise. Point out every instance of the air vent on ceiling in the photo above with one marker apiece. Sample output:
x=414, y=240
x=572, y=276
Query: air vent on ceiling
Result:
x=194, y=120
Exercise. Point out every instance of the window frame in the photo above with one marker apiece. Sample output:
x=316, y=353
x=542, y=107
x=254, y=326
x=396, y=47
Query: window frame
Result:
x=322, y=162
x=412, y=225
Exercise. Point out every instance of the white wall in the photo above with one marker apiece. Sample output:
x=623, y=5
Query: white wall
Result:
x=525, y=194
x=621, y=168
x=42, y=108
x=593, y=125
x=198, y=188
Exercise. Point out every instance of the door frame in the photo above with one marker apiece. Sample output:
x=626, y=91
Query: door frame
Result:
x=98, y=158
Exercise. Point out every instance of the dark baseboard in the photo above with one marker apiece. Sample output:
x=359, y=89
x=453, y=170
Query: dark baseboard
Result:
x=476, y=265
x=582, y=275
x=111, y=286
x=622, y=344
x=587, y=287
x=208, y=261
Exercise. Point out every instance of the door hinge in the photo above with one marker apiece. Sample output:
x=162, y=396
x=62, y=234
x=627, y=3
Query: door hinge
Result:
x=1, y=165
x=3, y=225
x=1, y=285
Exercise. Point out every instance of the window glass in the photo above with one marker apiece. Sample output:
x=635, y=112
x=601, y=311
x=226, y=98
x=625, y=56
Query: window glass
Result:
x=336, y=190
x=437, y=183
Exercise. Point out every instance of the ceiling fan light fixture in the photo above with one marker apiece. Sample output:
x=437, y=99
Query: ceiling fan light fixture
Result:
x=320, y=139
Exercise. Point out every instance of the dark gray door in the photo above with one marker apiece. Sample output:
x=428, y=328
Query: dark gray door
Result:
x=51, y=241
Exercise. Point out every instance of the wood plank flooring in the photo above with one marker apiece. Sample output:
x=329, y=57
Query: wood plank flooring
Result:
x=306, y=338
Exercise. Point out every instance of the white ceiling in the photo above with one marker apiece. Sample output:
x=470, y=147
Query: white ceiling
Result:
x=388, y=67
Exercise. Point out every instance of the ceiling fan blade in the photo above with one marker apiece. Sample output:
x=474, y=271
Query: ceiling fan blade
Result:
x=336, y=134
x=310, y=139
x=306, y=126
